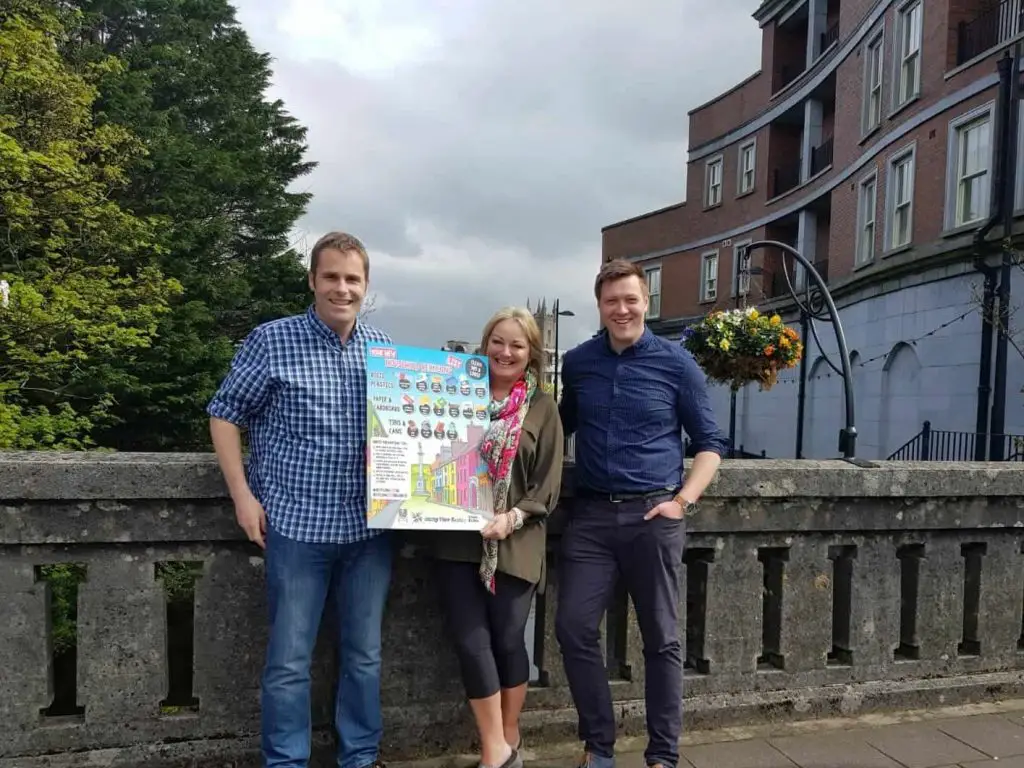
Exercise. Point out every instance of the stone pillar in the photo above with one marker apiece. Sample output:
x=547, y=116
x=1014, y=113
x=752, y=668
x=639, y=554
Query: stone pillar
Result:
x=817, y=23
x=811, y=138
x=806, y=243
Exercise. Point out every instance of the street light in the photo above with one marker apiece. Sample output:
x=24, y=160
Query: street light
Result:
x=559, y=312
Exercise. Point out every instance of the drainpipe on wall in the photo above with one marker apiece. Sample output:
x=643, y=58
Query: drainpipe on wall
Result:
x=1005, y=66
x=997, y=442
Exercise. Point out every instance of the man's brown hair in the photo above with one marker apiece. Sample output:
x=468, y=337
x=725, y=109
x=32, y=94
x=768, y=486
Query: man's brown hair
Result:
x=617, y=269
x=343, y=242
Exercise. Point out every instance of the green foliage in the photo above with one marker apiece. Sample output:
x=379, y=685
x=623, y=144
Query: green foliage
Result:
x=63, y=579
x=219, y=165
x=82, y=295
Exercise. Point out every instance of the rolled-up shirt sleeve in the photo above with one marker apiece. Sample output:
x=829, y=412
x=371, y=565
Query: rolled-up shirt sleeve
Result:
x=695, y=411
x=245, y=390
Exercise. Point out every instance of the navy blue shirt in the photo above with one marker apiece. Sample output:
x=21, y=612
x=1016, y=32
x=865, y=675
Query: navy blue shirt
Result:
x=628, y=412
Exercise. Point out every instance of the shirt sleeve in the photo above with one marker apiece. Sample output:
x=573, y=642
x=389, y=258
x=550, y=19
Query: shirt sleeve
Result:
x=245, y=390
x=544, y=479
x=567, y=406
x=695, y=411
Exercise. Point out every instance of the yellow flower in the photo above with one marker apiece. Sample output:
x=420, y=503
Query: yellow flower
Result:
x=724, y=345
x=784, y=342
x=776, y=320
x=754, y=314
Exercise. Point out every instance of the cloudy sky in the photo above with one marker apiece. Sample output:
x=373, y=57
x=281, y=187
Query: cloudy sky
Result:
x=478, y=146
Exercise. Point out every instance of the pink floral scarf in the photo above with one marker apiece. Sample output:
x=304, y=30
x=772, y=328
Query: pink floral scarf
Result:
x=498, y=450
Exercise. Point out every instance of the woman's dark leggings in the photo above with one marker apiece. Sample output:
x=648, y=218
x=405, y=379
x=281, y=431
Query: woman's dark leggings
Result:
x=487, y=630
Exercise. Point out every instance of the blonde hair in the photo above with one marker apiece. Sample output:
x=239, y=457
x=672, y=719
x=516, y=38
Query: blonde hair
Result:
x=530, y=329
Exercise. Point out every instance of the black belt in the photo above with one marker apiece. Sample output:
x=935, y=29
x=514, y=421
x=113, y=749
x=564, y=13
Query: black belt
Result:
x=616, y=498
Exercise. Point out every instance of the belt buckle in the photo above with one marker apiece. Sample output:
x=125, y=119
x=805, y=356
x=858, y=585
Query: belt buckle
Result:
x=613, y=500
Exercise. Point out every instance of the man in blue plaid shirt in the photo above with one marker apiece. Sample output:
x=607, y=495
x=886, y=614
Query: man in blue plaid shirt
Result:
x=298, y=385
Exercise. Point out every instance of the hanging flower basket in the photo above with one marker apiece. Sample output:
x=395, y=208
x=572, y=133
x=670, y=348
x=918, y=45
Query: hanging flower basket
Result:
x=740, y=346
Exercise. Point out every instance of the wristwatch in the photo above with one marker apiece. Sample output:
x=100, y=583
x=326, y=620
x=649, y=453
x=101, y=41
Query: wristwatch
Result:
x=689, y=507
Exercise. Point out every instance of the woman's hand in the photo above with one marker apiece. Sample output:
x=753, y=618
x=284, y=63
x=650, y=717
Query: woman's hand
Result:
x=499, y=527
x=504, y=525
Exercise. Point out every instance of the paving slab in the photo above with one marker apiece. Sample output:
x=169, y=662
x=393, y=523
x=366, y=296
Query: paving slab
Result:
x=992, y=735
x=1012, y=762
x=755, y=753
x=920, y=745
x=832, y=750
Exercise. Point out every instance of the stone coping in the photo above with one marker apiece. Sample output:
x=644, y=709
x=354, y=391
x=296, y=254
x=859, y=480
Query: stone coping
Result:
x=100, y=475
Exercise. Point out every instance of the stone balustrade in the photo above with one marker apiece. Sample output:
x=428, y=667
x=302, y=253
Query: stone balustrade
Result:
x=811, y=589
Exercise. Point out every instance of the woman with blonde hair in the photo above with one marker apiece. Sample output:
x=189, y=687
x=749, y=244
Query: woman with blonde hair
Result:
x=487, y=580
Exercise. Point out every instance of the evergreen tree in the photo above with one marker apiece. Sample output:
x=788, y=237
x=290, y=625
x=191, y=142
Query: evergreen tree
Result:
x=219, y=164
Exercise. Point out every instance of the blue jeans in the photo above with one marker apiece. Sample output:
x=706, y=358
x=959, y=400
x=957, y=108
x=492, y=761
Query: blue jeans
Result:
x=299, y=578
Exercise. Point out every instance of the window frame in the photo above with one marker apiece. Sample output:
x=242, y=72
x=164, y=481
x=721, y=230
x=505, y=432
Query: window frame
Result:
x=953, y=148
x=651, y=295
x=705, y=258
x=876, y=43
x=900, y=57
x=894, y=160
x=717, y=160
x=751, y=145
x=735, y=289
x=862, y=220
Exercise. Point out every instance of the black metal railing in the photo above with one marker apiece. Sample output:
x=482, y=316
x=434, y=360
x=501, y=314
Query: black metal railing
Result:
x=828, y=37
x=775, y=286
x=787, y=74
x=821, y=156
x=945, y=445
x=997, y=23
x=785, y=178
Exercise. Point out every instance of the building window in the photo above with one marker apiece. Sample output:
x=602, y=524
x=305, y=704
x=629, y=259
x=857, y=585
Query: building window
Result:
x=873, y=83
x=908, y=52
x=900, y=199
x=740, y=282
x=713, y=182
x=653, y=275
x=867, y=207
x=709, y=276
x=747, y=167
x=970, y=158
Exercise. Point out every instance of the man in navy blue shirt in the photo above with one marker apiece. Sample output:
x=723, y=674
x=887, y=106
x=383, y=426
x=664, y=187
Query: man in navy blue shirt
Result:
x=627, y=396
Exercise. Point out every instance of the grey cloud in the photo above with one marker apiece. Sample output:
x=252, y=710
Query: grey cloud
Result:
x=528, y=128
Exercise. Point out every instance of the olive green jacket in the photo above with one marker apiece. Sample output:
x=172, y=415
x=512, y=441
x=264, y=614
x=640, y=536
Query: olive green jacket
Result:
x=535, y=484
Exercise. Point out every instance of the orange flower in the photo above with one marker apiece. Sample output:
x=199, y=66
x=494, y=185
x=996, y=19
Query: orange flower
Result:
x=769, y=350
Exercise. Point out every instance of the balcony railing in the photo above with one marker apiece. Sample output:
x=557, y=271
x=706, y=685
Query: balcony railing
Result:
x=828, y=37
x=996, y=24
x=785, y=178
x=821, y=156
x=775, y=284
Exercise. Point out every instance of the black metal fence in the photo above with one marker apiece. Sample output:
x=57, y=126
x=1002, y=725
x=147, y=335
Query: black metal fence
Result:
x=945, y=445
x=996, y=23
x=821, y=156
x=829, y=36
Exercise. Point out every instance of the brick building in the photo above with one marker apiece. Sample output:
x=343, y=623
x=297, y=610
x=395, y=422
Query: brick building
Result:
x=866, y=140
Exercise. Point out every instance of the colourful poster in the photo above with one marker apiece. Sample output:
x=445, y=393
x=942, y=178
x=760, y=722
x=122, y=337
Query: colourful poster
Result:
x=427, y=413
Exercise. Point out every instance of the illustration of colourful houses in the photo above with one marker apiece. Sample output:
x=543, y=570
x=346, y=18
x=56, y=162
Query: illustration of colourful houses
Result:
x=460, y=476
x=374, y=428
x=421, y=476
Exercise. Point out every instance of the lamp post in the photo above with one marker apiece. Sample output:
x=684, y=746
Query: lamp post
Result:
x=817, y=305
x=559, y=312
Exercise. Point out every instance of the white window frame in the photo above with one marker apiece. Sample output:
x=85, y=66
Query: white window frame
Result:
x=713, y=192
x=708, y=281
x=653, y=297
x=904, y=91
x=908, y=153
x=740, y=283
x=873, y=91
x=866, y=218
x=956, y=126
x=742, y=187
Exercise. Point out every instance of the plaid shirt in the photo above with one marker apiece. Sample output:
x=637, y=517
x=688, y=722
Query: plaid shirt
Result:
x=302, y=395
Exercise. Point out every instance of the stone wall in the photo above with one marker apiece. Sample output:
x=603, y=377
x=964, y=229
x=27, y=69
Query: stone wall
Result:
x=812, y=588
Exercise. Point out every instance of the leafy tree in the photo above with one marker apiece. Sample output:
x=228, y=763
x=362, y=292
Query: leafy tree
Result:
x=65, y=242
x=219, y=167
